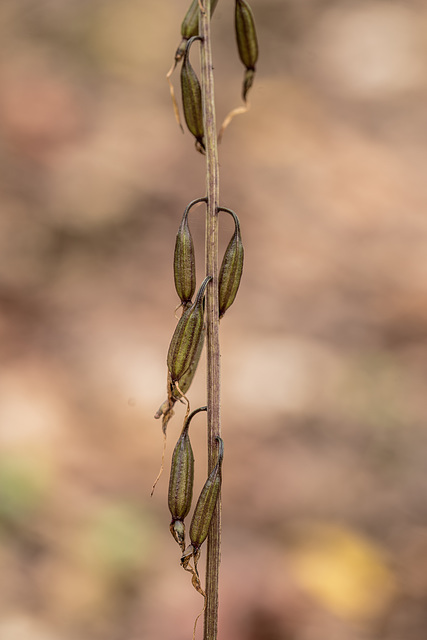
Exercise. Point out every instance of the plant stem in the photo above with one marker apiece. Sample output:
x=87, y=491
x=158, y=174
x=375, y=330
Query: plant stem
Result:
x=212, y=316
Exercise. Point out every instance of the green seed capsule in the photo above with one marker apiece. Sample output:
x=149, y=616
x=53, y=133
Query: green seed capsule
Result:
x=205, y=507
x=181, y=481
x=190, y=26
x=184, y=383
x=247, y=42
x=231, y=268
x=186, y=338
x=192, y=98
x=184, y=264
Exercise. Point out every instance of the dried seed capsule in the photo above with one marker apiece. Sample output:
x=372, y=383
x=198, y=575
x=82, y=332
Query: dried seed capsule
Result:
x=247, y=42
x=184, y=264
x=186, y=338
x=190, y=26
x=205, y=507
x=231, y=268
x=181, y=481
x=192, y=98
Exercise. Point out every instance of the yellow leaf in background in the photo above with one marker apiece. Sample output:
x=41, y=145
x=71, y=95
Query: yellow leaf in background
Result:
x=346, y=572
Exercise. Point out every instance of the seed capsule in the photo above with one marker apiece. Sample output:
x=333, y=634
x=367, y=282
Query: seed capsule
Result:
x=181, y=481
x=205, y=507
x=184, y=264
x=184, y=383
x=231, y=268
x=186, y=338
x=190, y=26
x=247, y=42
x=192, y=98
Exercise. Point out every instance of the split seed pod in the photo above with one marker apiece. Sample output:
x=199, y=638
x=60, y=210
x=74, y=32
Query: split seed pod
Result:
x=184, y=263
x=187, y=335
x=181, y=481
x=231, y=268
x=190, y=26
x=205, y=507
x=192, y=98
x=247, y=42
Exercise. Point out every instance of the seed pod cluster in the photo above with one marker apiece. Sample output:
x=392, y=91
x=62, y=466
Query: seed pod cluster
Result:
x=231, y=267
x=181, y=481
x=186, y=345
x=192, y=98
x=247, y=42
x=247, y=46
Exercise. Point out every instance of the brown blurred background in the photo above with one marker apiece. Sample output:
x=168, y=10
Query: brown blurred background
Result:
x=324, y=353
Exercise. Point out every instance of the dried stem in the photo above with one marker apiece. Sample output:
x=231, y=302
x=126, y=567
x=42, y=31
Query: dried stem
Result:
x=212, y=315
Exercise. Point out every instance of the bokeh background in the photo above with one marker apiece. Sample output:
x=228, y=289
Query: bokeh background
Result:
x=324, y=353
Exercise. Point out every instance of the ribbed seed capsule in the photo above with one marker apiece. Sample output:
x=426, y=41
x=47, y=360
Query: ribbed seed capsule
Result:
x=205, y=507
x=247, y=42
x=186, y=338
x=184, y=383
x=192, y=98
x=181, y=481
x=184, y=263
x=231, y=267
x=190, y=26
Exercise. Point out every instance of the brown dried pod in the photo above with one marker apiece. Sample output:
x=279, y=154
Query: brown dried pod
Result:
x=181, y=481
x=247, y=42
x=231, y=267
x=192, y=98
x=187, y=335
x=184, y=263
x=206, y=504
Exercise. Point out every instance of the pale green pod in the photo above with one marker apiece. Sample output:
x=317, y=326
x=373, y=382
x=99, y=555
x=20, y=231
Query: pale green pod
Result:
x=206, y=504
x=231, y=267
x=184, y=263
x=181, y=480
x=192, y=98
x=186, y=338
x=247, y=41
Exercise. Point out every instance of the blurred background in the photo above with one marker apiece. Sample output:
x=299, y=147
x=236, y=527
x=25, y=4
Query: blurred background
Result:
x=324, y=352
